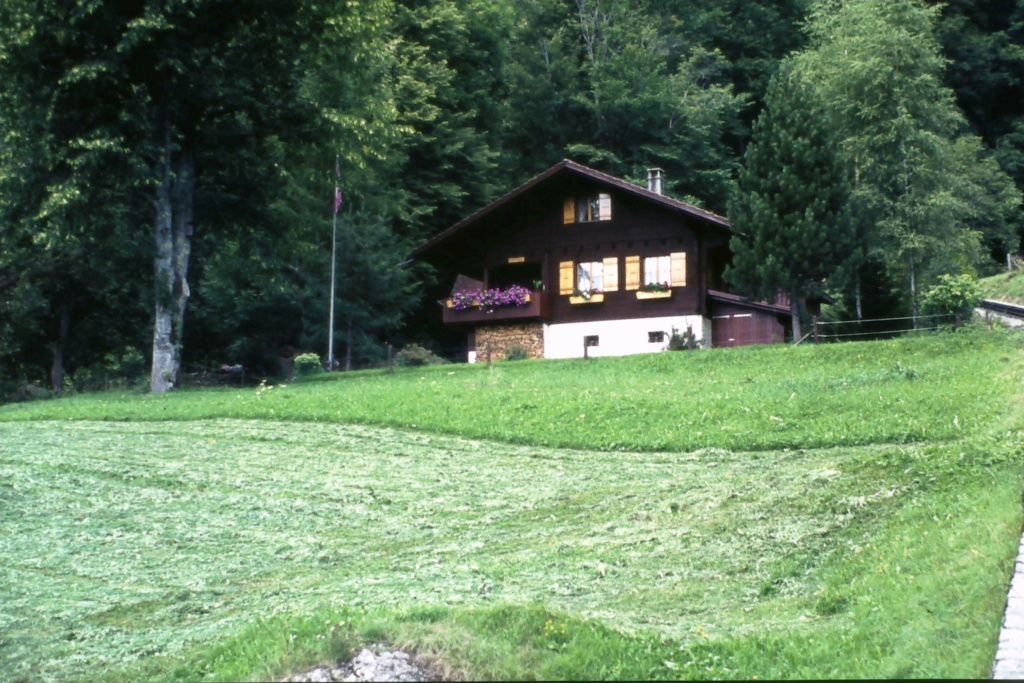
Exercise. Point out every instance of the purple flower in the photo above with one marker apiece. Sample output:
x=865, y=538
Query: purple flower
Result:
x=489, y=299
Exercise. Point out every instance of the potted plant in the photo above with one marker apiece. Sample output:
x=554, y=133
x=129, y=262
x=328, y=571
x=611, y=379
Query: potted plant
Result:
x=654, y=290
x=489, y=299
x=586, y=296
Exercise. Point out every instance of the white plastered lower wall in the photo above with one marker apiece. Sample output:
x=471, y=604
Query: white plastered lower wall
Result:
x=620, y=337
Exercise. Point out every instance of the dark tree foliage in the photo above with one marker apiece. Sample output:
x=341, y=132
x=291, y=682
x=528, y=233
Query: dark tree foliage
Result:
x=164, y=155
x=984, y=42
x=792, y=201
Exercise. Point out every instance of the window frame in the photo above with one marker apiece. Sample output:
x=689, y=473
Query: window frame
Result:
x=590, y=265
x=662, y=274
x=589, y=208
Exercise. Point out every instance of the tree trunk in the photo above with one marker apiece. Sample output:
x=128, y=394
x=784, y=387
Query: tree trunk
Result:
x=173, y=230
x=59, y=346
x=914, y=310
x=185, y=185
x=348, y=349
x=858, y=299
x=794, y=312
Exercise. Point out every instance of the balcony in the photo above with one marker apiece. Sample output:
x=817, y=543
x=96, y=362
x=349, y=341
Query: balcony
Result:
x=536, y=306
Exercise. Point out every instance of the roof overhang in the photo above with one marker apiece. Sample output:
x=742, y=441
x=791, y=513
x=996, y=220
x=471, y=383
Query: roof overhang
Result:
x=734, y=300
x=435, y=247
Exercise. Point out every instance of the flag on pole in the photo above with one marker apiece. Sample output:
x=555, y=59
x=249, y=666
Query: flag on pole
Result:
x=337, y=188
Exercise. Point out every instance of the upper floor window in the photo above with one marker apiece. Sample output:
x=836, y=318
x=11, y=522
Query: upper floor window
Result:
x=586, y=209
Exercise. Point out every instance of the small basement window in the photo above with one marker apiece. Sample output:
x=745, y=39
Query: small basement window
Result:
x=591, y=340
x=655, y=337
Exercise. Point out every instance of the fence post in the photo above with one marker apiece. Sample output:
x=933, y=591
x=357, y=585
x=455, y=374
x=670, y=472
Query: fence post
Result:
x=586, y=350
x=391, y=359
x=814, y=323
x=488, y=354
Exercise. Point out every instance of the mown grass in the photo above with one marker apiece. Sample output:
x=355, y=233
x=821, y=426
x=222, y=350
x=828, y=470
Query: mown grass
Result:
x=239, y=548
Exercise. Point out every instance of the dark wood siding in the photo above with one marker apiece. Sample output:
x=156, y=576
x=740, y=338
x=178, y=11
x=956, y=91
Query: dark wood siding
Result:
x=636, y=229
x=742, y=326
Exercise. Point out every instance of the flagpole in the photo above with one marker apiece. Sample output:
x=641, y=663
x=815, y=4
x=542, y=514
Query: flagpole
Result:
x=330, y=326
x=334, y=245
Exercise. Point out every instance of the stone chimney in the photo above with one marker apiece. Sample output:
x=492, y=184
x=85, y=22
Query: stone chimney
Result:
x=656, y=180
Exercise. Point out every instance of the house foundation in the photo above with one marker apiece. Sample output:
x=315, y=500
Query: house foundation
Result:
x=501, y=338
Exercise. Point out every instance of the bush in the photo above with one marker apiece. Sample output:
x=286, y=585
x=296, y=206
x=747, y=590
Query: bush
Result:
x=682, y=342
x=414, y=354
x=954, y=295
x=516, y=352
x=122, y=369
x=308, y=364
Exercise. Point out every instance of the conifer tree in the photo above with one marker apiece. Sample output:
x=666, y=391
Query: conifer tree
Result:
x=792, y=199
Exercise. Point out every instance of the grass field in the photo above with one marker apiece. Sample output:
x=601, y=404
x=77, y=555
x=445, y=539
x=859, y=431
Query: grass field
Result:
x=842, y=511
x=1008, y=287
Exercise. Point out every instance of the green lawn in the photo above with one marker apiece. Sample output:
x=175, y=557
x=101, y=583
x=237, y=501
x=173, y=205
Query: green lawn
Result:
x=1008, y=287
x=842, y=511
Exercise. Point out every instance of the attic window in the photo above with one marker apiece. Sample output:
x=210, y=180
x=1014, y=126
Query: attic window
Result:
x=587, y=209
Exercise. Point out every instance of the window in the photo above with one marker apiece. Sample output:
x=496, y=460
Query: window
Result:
x=592, y=340
x=587, y=209
x=655, y=337
x=602, y=276
x=590, y=276
x=658, y=270
x=662, y=270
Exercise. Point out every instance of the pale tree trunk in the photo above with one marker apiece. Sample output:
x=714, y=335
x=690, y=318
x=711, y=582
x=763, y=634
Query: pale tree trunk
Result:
x=794, y=313
x=858, y=299
x=914, y=309
x=59, y=346
x=173, y=230
x=348, y=348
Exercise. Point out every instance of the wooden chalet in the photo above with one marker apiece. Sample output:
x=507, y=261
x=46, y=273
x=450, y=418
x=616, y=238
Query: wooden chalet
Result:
x=578, y=262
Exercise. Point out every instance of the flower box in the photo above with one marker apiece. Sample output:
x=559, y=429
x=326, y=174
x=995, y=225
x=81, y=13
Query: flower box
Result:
x=450, y=303
x=594, y=299
x=667, y=294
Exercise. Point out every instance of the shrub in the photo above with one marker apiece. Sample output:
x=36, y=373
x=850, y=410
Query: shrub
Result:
x=308, y=364
x=954, y=295
x=516, y=352
x=682, y=342
x=125, y=368
x=414, y=354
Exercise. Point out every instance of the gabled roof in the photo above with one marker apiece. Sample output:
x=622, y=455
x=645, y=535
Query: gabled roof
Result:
x=736, y=300
x=567, y=166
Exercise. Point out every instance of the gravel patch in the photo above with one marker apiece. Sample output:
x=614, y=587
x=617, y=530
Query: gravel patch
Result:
x=367, y=665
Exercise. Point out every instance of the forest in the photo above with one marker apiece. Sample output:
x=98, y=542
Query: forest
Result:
x=171, y=170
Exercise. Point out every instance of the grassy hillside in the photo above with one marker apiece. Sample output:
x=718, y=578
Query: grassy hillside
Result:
x=1008, y=287
x=845, y=511
x=742, y=399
